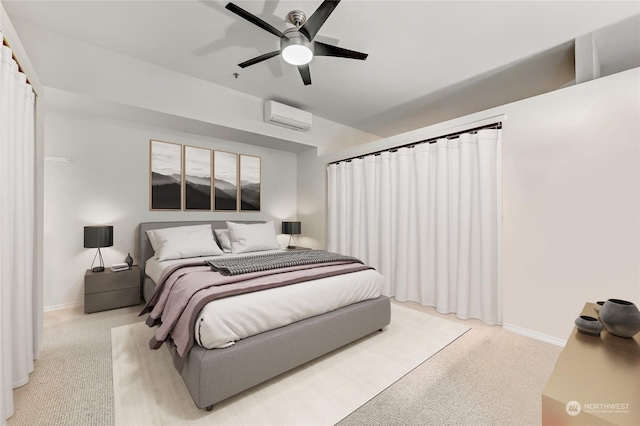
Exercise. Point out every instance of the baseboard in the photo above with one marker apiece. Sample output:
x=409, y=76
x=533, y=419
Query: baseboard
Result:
x=534, y=334
x=63, y=306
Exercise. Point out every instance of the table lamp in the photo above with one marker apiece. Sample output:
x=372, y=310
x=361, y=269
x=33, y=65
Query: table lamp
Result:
x=96, y=237
x=291, y=228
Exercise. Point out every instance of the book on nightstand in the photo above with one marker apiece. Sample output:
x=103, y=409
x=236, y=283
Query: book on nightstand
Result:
x=117, y=267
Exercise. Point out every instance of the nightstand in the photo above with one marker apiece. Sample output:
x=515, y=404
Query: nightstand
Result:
x=297, y=248
x=110, y=290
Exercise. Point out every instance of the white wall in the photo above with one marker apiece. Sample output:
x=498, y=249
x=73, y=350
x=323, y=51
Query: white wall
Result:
x=571, y=199
x=107, y=182
x=312, y=190
x=571, y=206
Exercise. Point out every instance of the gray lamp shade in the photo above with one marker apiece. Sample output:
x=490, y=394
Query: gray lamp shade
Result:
x=98, y=236
x=291, y=228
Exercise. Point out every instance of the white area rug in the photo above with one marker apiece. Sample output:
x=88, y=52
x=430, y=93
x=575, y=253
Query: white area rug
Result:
x=149, y=391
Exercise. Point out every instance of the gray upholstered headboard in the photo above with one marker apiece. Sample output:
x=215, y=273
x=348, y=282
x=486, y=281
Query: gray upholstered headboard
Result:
x=145, y=251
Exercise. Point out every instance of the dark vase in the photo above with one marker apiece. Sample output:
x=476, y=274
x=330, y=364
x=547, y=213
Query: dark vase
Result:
x=597, y=306
x=588, y=325
x=620, y=317
x=128, y=260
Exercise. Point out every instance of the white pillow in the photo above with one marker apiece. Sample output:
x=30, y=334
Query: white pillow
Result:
x=252, y=237
x=183, y=242
x=155, y=234
x=223, y=239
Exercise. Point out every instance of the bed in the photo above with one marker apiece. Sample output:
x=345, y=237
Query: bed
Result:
x=212, y=375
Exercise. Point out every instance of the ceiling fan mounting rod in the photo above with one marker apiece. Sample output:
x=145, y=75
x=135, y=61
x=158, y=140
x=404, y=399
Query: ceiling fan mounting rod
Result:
x=297, y=18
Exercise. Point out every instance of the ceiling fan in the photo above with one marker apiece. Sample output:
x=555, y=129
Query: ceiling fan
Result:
x=297, y=45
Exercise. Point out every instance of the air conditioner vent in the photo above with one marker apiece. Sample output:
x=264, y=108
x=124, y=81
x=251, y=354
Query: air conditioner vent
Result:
x=286, y=116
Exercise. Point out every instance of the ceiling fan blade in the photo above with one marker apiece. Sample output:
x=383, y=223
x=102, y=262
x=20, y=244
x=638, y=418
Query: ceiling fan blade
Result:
x=322, y=49
x=317, y=19
x=258, y=59
x=254, y=20
x=305, y=73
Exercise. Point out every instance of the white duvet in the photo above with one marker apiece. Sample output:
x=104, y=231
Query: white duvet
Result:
x=225, y=321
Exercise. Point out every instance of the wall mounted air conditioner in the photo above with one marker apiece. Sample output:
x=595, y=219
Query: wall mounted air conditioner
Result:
x=286, y=116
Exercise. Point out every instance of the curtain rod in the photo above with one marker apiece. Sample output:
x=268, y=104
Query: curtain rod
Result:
x=497, y=125
x=15, y=58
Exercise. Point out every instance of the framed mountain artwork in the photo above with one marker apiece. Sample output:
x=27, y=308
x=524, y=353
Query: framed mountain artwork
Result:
x=197, y=178
x=165, y=175
x=225, y=181
x=249, y=183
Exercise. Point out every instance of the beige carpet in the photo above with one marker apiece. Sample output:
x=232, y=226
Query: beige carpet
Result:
x=148, y=390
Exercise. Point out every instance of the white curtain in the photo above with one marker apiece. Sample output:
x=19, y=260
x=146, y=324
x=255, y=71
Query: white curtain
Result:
x=427, y=218
x=17, y=259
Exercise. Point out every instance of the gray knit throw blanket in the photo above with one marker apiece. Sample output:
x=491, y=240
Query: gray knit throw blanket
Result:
x=265, y=262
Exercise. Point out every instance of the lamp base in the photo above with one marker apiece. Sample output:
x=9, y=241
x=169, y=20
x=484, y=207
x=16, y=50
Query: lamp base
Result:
x=291, y=247
x=97, y=269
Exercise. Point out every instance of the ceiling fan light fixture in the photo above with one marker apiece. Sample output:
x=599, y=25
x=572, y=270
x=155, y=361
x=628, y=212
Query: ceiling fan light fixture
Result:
x=296, y=49
x=297, y=54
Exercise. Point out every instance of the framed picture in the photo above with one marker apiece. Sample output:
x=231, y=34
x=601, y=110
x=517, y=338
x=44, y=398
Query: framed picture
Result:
x=197, y=178
x=225, y=181
x=249, y=183
x=165, y=175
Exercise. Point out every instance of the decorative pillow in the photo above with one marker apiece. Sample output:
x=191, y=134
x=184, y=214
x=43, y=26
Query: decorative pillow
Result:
x=223, y=239
x=252, y=237
x=183, y=242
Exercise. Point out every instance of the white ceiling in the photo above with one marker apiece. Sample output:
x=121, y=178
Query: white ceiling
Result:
x=420, y=52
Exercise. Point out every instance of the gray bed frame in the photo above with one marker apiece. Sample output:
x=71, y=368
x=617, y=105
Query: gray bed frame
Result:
x=212, y=375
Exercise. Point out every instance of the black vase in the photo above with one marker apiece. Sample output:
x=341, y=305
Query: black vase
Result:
x=128, y=260
x=597, y=306
x=620, y=317
x=588, y=325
